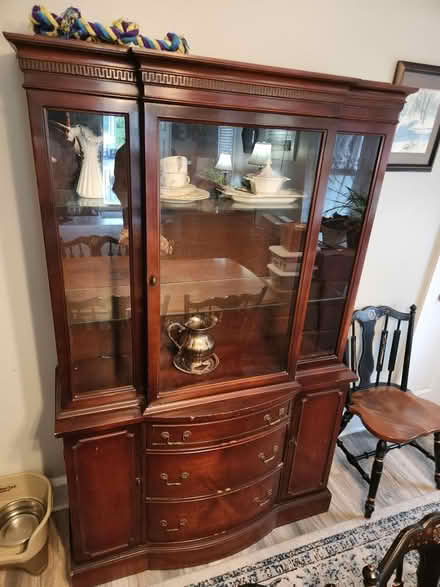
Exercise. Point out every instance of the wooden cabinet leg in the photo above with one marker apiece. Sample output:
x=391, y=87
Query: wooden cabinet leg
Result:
x=437, y=458
x=376, y=474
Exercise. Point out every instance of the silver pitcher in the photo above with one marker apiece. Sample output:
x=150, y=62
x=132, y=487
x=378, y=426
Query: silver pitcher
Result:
x=196, y=345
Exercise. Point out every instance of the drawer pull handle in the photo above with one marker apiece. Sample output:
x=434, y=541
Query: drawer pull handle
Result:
x=185, y=436
x=264, y=500
x=182, y=523
x=183, y=476
x=268, y=418
x=266, y=459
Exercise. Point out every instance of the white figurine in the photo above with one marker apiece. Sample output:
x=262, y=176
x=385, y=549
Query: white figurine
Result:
x=90, y=182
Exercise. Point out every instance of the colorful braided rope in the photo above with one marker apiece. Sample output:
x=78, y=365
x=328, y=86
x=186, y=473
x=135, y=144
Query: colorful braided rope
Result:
x=71, y=25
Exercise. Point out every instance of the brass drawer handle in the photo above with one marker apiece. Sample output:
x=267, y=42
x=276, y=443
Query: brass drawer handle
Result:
x=265, y=459
x=268, y=418
x=183, y=476
x=182, y=523
x=264, y=500
x=185, y=436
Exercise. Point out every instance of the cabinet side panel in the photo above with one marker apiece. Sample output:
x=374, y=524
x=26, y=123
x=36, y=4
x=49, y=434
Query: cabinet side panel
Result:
x=102, y=487
x=317, y=427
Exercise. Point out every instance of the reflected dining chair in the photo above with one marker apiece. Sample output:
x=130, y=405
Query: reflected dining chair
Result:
x=391, y=413
x=424, y=537
x=94, y=246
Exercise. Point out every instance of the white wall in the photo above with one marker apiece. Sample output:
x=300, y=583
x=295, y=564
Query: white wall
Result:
x=347, y=37
x=425, y=366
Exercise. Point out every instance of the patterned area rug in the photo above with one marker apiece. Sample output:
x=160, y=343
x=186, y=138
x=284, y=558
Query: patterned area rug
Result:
x=335, y=555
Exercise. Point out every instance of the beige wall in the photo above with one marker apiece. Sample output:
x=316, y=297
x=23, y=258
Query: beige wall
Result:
x=347, y=37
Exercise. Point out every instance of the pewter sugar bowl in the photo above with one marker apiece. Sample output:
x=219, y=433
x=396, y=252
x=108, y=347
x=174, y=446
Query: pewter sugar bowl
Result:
x=196, y=345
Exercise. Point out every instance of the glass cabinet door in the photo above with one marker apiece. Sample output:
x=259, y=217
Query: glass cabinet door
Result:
x=90, y=179
x=234, y=207
x=348, y=189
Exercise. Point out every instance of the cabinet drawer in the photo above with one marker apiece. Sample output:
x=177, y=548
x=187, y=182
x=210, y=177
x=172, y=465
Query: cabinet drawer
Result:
x=183, y=435
x=196, y=474
x=178, y=521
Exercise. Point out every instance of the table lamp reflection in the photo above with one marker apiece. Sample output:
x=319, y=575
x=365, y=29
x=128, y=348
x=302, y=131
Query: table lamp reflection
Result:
x=261, y=155
x=224, y=163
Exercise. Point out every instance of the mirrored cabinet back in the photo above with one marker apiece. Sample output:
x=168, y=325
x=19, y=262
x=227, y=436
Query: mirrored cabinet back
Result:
x=205, y=226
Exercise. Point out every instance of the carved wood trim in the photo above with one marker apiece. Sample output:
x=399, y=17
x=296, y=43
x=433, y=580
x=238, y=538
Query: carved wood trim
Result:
x=352, y=98
x=186, y=81
x=79, y=69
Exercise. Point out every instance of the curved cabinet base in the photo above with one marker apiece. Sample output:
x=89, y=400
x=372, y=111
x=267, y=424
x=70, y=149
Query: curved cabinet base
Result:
x=198, y=552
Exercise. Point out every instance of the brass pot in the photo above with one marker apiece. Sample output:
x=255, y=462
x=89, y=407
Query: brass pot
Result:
x=196, y=345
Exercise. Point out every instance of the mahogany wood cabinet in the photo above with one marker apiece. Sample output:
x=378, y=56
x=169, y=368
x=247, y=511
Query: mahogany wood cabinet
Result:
x=205, y=225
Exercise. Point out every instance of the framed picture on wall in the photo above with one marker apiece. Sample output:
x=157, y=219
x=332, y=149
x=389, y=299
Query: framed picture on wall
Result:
x=418, y=132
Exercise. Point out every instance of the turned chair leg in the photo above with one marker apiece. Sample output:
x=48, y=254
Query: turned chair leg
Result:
x=347, y=416
x=376, y=474
x=437, y=458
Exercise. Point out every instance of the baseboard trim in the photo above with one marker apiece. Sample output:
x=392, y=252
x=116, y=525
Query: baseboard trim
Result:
x=60, y=496
x=423, y=391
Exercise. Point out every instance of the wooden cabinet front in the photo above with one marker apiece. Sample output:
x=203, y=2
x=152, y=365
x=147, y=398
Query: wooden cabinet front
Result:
x=217, y=264
x=104, y=492
x=317, y=425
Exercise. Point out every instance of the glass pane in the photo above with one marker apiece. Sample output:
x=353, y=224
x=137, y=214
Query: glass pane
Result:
x=354, y=160
x=234, y=209
x=89, y=161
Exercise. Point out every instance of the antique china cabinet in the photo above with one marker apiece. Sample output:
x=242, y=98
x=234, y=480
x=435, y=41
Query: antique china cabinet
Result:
x=205, y=226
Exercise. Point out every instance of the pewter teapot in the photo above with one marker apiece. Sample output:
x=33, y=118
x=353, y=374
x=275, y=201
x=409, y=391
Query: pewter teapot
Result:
x=196, y=346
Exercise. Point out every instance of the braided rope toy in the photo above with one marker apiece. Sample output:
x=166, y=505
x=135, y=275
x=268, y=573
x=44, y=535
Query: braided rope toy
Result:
x=71, y=25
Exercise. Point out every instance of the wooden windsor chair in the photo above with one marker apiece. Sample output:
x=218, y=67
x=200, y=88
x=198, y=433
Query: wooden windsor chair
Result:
x=388, y=411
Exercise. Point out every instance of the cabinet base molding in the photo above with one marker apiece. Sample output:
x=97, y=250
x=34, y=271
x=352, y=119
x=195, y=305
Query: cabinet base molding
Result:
x=198, y=552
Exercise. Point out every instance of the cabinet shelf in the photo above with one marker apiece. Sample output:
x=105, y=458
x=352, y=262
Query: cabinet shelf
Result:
x=102, y=372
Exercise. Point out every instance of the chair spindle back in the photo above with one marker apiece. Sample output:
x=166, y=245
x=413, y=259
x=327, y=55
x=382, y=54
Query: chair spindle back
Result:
x=363, y=366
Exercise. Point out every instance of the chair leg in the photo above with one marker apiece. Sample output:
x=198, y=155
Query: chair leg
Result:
x=437, y=458
x=347, y=416
x=376, y=473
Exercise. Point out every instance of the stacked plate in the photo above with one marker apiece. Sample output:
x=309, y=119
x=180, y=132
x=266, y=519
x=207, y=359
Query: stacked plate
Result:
x=182, y=195
x=244, y=197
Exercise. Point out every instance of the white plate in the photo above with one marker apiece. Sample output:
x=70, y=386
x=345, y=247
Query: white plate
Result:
x=239, y=206
x=194, y=196
x=173, y=191
x=256, y=200
x=242, y=195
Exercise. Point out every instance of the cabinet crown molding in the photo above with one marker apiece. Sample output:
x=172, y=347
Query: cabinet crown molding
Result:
x=148, y=74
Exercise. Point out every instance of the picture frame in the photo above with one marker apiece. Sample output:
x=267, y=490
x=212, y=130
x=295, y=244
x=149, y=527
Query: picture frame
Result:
x=418, y=132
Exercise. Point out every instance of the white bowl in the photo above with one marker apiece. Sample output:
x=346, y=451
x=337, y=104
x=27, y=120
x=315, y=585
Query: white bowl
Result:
x=261, y=184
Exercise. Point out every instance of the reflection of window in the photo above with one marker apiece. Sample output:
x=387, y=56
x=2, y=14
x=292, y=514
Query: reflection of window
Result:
x=165, y=138
x=282, y=141
x=113, y=139
x=347, y=154
x=225, y=140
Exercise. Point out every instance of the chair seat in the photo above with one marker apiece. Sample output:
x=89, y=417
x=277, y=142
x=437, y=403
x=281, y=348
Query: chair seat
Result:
x=394, y=415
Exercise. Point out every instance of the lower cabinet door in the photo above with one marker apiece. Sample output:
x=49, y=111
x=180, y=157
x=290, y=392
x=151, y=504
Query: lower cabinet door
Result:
x=318, y=421
x=104, y=492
